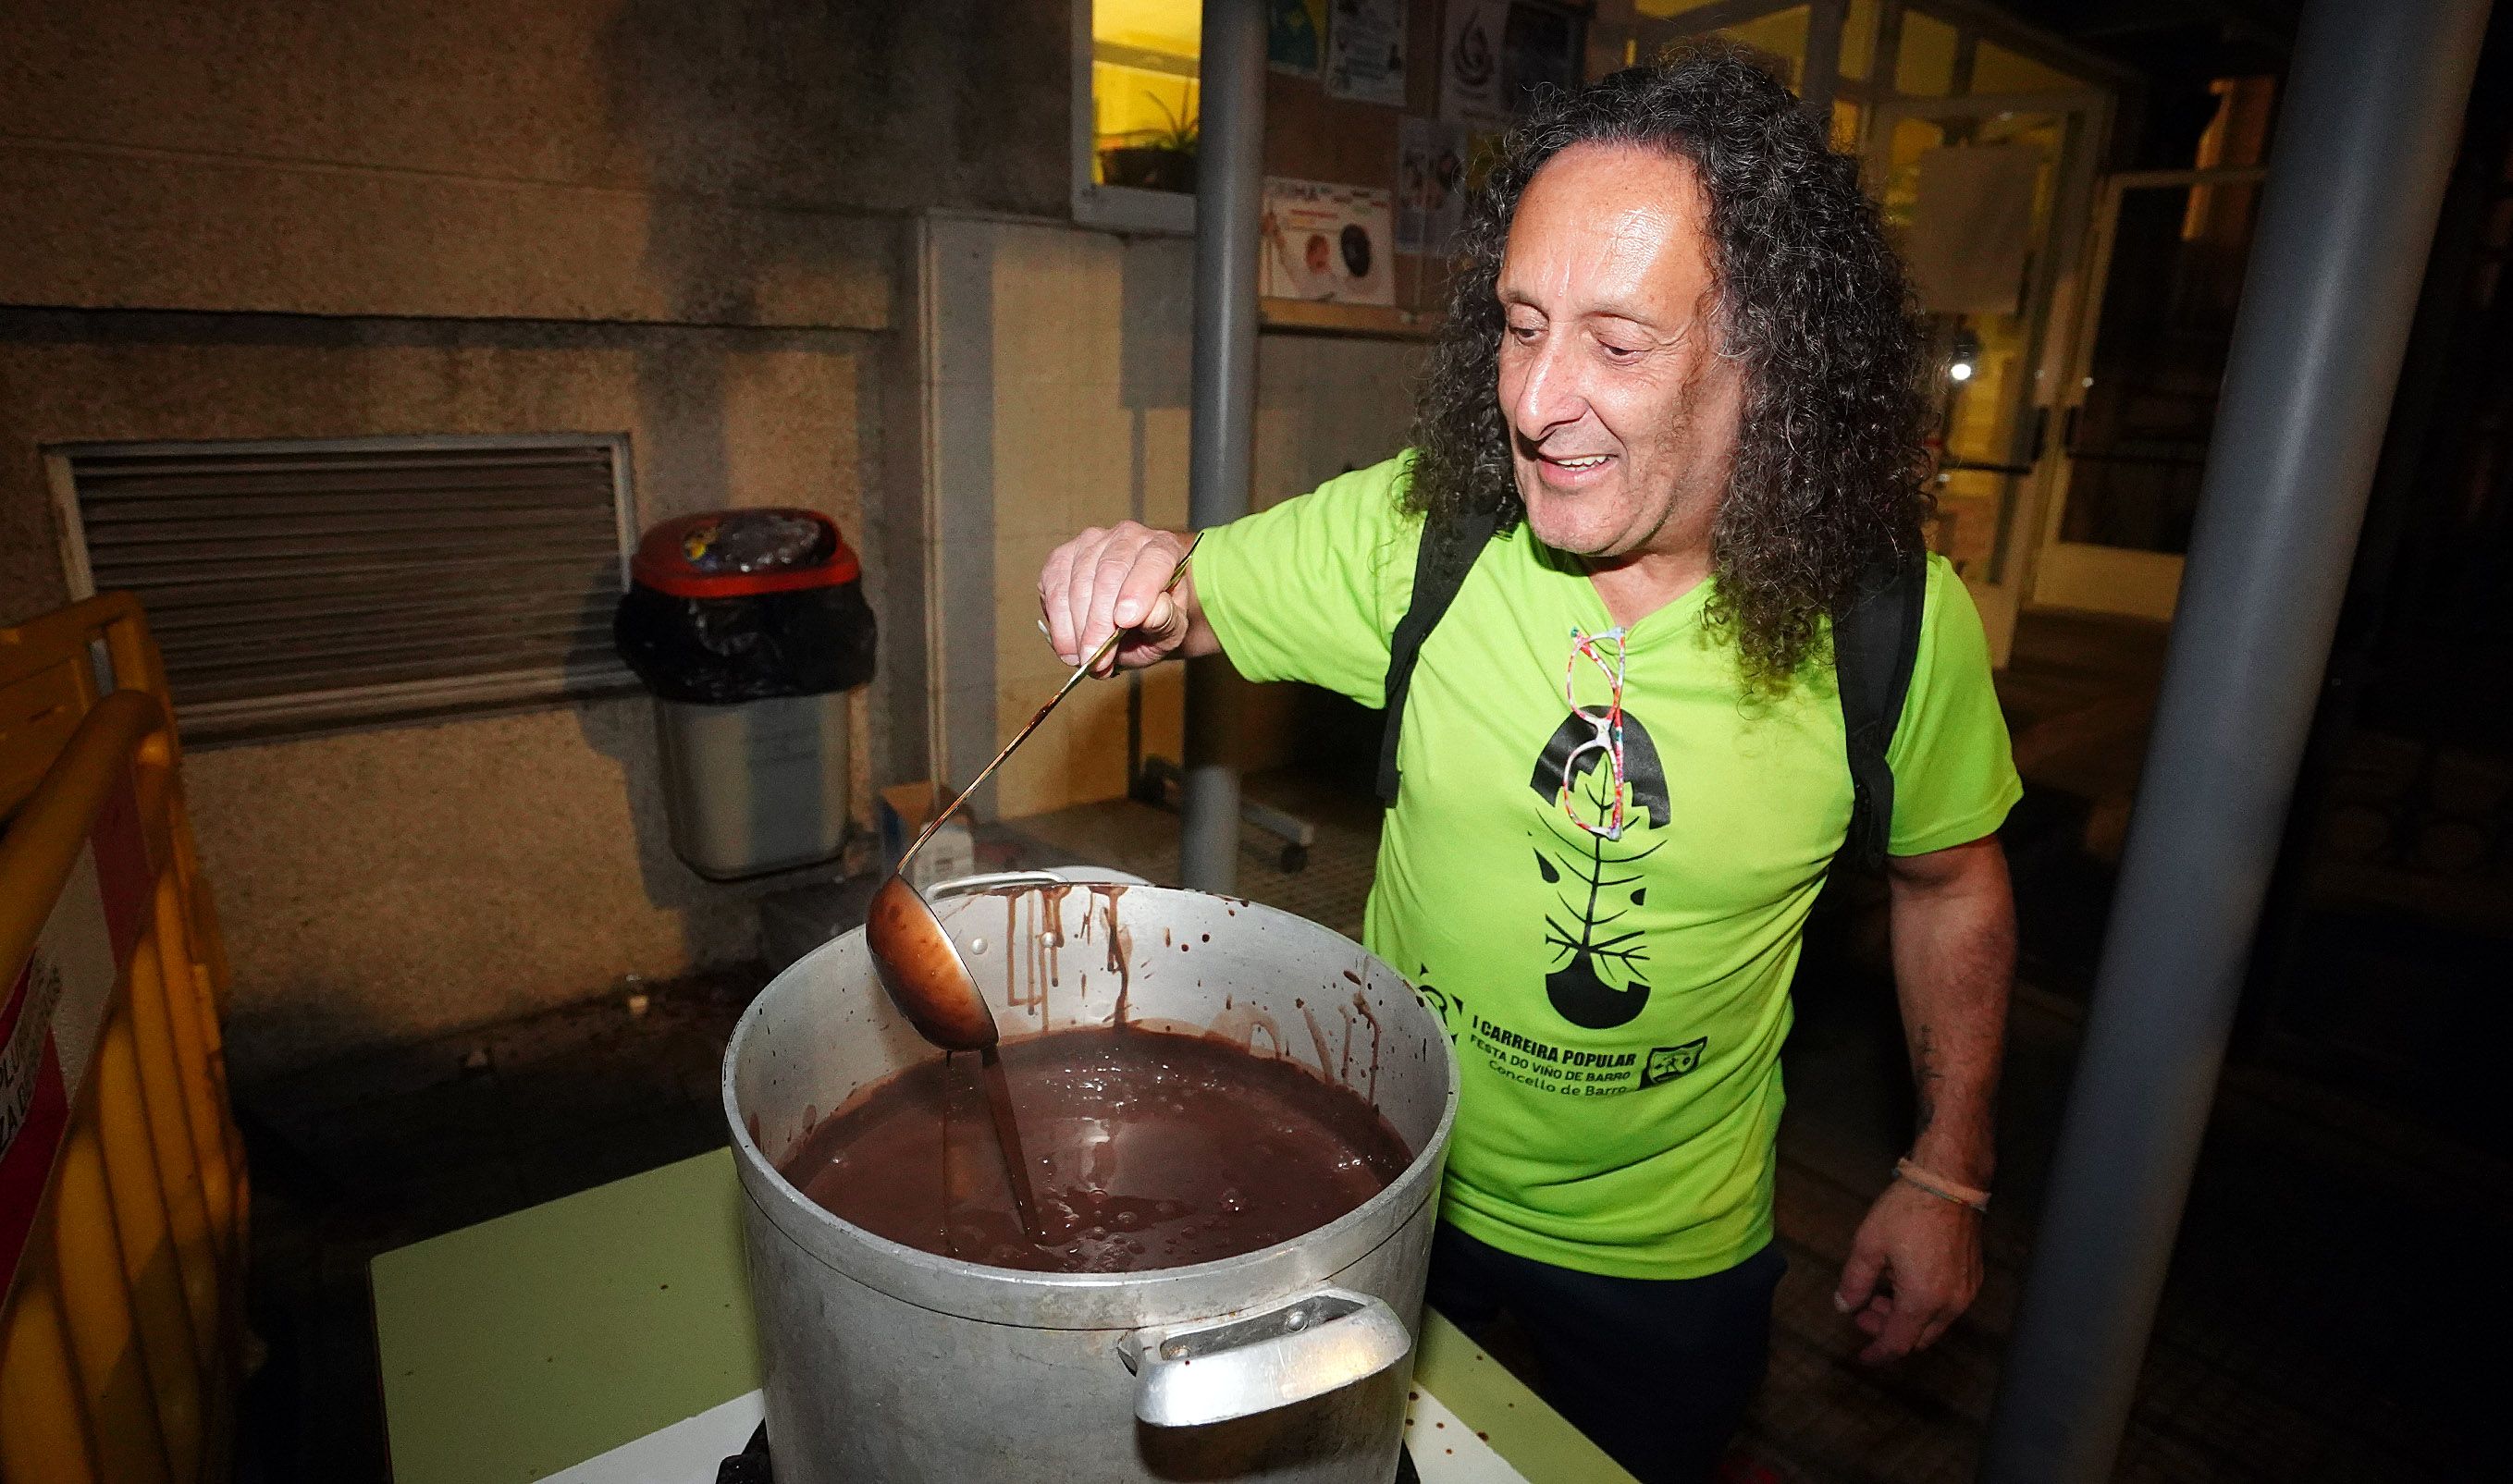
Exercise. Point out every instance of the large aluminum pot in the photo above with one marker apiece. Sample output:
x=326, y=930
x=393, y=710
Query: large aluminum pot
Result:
x=884, y=1362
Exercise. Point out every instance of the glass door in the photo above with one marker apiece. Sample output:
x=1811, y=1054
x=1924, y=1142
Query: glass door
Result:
x=1979, y=139
x=1986, y=197
x=2140, y=402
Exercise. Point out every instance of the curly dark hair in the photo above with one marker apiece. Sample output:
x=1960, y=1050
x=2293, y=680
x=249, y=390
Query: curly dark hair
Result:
x=1829, y=475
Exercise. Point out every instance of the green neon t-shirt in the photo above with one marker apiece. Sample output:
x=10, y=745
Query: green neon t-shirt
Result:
x=1617, y=1004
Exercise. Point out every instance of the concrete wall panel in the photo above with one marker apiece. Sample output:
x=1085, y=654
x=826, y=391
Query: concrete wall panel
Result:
x=592, y=159
x=866, y=103
x=114, y=230
x=467, y=216
x=386, y=885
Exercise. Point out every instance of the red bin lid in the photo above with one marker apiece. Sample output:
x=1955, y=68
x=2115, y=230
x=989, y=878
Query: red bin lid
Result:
x=743, y=553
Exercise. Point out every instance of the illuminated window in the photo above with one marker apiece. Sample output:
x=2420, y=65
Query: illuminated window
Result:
x=2239, y=134
x=1782, y=33
x=1996, y=69
x=1143, y=97
x=1925, y=68
x=1858, y=38
x=1848, y=125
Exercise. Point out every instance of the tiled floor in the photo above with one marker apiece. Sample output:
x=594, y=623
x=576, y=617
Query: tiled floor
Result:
x=1330, y=889
x=2338, y=1263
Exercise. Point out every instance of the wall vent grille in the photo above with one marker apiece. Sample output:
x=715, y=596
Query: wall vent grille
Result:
x=303, y=585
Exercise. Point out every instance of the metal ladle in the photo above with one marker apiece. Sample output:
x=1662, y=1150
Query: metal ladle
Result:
x=918, y=962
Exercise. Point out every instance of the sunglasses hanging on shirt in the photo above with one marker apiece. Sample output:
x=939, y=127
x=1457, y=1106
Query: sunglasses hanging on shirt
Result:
x=1605, y=651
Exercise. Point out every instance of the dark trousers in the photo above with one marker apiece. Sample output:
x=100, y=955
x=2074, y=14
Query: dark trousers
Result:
x=1655, y=1370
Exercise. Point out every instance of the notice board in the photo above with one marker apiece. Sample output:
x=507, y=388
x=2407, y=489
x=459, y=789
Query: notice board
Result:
x=1313, y=135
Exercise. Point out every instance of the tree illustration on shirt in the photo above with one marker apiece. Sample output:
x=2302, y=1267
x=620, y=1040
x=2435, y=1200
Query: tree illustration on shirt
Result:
x=1595, y=981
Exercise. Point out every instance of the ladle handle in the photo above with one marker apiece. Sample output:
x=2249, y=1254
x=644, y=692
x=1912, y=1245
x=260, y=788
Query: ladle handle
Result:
x=1089, y=663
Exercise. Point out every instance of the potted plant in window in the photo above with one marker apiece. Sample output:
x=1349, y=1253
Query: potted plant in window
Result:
x=1155, y=159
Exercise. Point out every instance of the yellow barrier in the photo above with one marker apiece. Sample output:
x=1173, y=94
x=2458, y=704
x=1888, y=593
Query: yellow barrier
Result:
x=123, y=1194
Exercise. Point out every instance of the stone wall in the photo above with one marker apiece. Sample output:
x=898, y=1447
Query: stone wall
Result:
x=281, y=219
x=814, y=255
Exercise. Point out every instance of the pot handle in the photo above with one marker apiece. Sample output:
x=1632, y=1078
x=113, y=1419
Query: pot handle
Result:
x=1214, y=1370
x=961, y=886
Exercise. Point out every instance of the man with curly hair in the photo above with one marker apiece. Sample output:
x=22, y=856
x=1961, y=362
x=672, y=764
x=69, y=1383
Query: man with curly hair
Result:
x=1673, y=423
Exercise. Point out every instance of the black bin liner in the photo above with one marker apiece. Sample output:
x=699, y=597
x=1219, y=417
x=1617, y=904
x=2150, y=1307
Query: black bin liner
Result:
x=721, y=611
x=721, y=650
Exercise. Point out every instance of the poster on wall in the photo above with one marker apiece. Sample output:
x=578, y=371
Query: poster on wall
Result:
x=1430, y=184
x=1470, y=62
x=1366, y=52
x=1539, y=49
x=1494, y=55
x=1296, y=36
x=1328, y=244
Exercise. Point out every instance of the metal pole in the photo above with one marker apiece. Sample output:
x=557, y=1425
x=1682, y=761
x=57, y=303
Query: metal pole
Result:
x=1229, y=189
x=2365, y=143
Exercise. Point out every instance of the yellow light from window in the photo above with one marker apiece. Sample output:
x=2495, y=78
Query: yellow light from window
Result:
x=1173, y=26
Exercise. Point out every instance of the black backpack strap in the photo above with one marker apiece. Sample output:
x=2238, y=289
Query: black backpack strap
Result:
x=1875, y=644
x=1449, y=546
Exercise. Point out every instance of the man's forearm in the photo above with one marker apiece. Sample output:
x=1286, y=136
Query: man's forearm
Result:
x=1954, y=958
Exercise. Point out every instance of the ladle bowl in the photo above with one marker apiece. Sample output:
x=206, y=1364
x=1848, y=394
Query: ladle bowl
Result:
x=921, y=968
x=914, y=957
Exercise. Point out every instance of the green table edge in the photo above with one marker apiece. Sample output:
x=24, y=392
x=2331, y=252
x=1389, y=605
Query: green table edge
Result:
x=515, y=1344
x=523, y=1346
x=1527, y=1433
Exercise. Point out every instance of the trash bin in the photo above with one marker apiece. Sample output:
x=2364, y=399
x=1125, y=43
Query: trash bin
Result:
x=750, y=627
